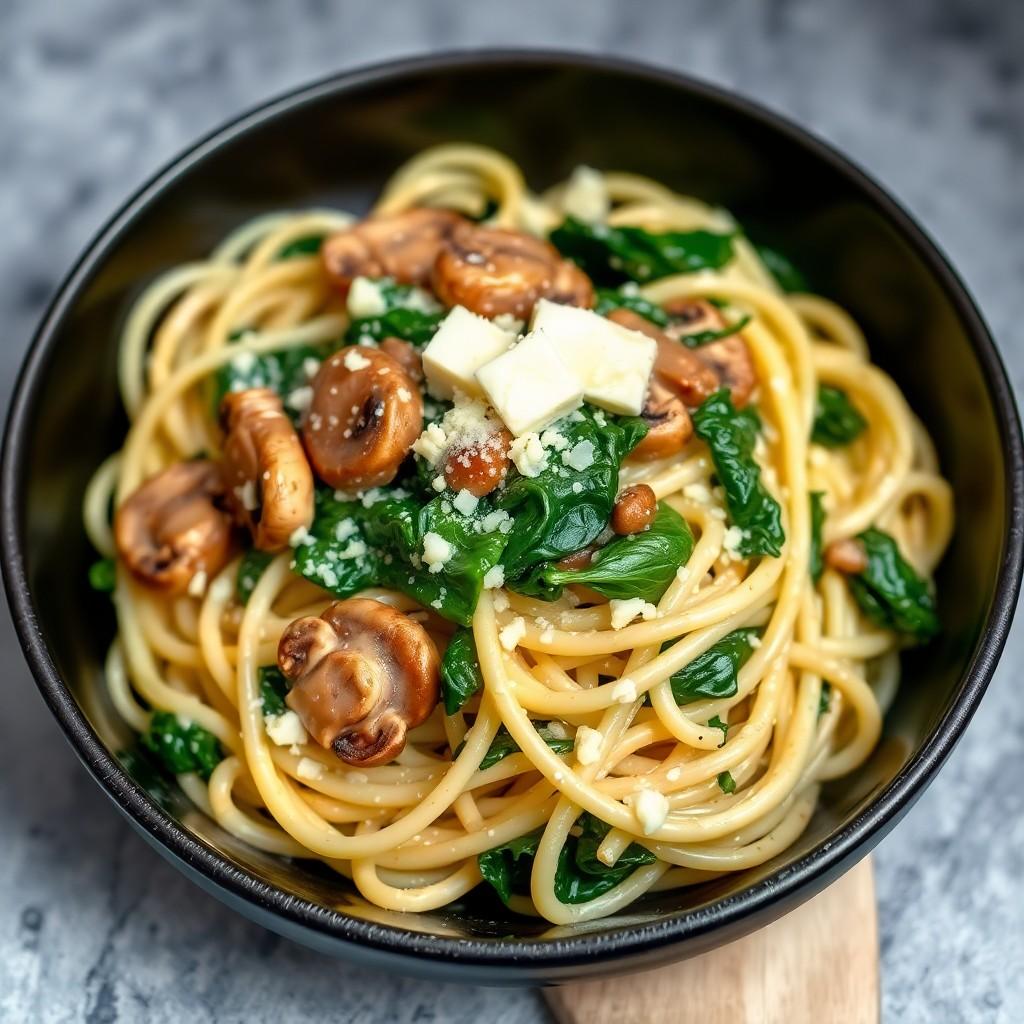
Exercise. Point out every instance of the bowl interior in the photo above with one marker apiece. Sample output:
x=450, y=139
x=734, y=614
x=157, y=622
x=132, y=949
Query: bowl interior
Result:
x=337, y=148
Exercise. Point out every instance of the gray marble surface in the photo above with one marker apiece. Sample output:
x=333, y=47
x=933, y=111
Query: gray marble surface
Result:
x=95, y=96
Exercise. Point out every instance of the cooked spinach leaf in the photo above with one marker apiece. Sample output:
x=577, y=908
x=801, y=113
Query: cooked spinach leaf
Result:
x=790, y=279
x=714, y=674
x=726, y=783
x=836, y=420
x=731, y=436
x=307, y=246
x=503, y=745
x=611, y=299
x=890, y=592
x=639, y=565
x=579, y=877
x=103, y=575
x=817, y=565
x=610, y=255
x=378, y=541
x=285, y=372
x=460, y=671
x=717, y=723
x=273, y=690
x=250, y=569
x=182, y=746
x=410, y=313
x=825, y=700
x=563, y=510
x=699, y=338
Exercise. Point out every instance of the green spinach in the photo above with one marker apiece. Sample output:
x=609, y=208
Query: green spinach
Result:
x=250, y=569
x=890, y=592
x=700, y=338
x=817, y=565
x=150, y=775
x=307, y=246
x=182, y=746
x=610, y=255
x=714, y=674
x=726, y=783
x=284, y=372
x=717, y=723
x=611, y=299
x=273, y=690
x=789, y=278
x=836, y=420
x=731, y=437
x=460, y=671
x=103, y=575
x=639, y=565
x=504, y=745
x=409, y=313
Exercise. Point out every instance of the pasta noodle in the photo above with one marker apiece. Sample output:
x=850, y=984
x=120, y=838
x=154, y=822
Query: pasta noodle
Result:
x=718, y=784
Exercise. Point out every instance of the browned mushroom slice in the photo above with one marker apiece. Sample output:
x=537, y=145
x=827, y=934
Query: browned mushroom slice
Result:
x=729, y=357
x=402, y=245
x=172, y=528
x=364, y=674
x=676, y=366
x=478, y=467
x=365, y=413
x=668, y=424
x=270, y=484
x=634, y=510
x=846, y=556
x=577, y=560
x=405, y=355
x=492, y=271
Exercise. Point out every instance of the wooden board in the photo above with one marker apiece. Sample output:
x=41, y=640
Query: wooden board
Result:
x=818, y=963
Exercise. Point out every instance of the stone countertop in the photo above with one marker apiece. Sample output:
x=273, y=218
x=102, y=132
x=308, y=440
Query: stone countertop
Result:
x=94, y=96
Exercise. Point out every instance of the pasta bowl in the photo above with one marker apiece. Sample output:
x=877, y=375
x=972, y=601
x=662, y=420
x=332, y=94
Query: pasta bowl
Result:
x=331, y=144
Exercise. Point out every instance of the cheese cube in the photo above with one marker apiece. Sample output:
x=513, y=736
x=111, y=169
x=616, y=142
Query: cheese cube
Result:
x=613, y=363
x=530, y=386
x=462, y=344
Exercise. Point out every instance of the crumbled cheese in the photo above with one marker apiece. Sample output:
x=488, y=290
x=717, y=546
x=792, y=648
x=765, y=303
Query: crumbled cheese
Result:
x=530, y=385
x=557, y=730
x=300, y=535
x=682, y=574
x=286, y=729
x=467, y=424
x=754, y=641
x=437, y=552
x=465, y=502
x=494, y=578
x=624, y=691
x=626, y=610
x=697, y=492
x=246, y=494
x=547, y=636
x=580, y=456
x=501, y=601
x=586, y=196
x=197, y=585
x=650, y=809
x=732, y=539
x=511, y=634
x=498, y=521
x=462, y=344
x=551, y=438
x=588, y=744
x=345, y=528
x=577, y=487
x=243, y=363
x=309, y=769
x=674, y=774
x=439, y=483
x=431, y=444
x=528, y=454
x=365, y=298
x=310, y=366
x=299, y=399
x=355, y=360
x=221, y=589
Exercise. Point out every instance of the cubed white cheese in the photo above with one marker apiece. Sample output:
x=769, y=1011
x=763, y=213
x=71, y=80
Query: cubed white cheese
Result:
x=285, y=729
x=650, y=809
x=530, y=385
x=463, y=343
x=365, y=299
x=614, y=364
x=586, y=196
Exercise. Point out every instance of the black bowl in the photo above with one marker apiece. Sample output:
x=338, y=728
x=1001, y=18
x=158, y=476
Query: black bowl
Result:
x=334, y=143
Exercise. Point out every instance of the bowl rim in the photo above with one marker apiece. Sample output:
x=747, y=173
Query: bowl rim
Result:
x=800, y=880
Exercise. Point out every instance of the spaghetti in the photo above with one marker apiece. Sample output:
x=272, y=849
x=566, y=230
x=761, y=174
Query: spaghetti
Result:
x=583, y=773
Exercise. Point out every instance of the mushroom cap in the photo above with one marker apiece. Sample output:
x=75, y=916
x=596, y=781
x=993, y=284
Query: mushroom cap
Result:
x=364, y=675
x=669, y=426
x=172, y=526
x=365, y=414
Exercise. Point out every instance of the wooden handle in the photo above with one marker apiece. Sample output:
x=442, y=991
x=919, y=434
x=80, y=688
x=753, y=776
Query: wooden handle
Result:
x=818, y=963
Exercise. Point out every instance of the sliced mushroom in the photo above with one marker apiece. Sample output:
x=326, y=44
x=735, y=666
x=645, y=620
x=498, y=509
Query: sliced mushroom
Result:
x=365, y=413
x=846, y=556
x=173, y=527
x=729, y=357
x=405, y=355
x=493, y=271
x=403, y=246
x=668, y=424
x=676, y=366
x=577, y=560
x=634, y=510
x=270, y=484
x=478, y=467
x=364, y=674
